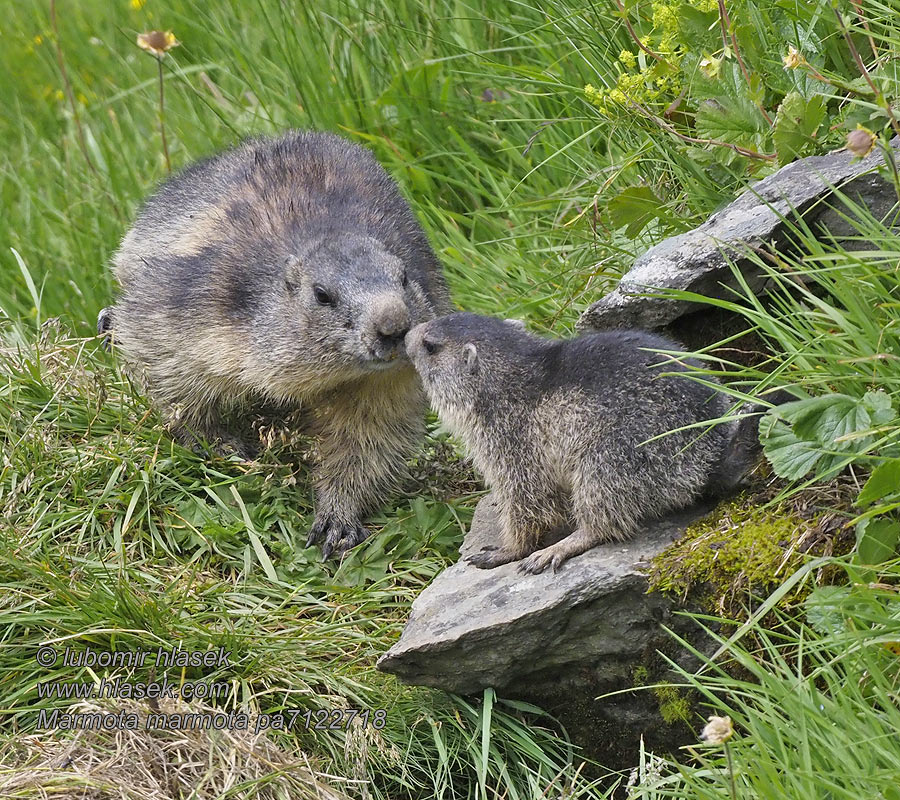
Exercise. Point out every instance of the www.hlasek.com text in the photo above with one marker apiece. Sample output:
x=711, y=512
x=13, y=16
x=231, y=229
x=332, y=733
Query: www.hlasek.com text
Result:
x=132, y=690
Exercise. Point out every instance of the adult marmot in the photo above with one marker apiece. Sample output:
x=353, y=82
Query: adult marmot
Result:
x=284, y=271
x=591, y=434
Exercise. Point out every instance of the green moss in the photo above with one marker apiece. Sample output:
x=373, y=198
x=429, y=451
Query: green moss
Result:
x=641, y=675
x=673, y=705
x=731, y=554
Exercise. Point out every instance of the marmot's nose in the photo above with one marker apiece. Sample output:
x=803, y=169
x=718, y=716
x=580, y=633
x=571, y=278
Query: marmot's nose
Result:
x=392, y=333
x=390, y=320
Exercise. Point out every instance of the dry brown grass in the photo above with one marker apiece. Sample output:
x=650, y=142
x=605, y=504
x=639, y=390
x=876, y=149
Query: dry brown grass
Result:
x=158, y=764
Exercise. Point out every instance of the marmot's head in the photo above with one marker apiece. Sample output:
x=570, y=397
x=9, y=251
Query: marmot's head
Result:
x=463, y=357
x=349, y=304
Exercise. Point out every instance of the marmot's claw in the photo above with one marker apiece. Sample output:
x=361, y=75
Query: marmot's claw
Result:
x=339, y=537
x=317, y=531
x=490, y=558
x=351, y=535
x=537, y=562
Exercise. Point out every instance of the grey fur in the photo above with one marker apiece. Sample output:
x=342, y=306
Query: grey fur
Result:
x=563, y=431
x=284, y=271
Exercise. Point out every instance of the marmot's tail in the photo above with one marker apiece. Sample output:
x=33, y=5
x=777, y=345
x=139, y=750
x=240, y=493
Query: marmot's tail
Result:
x=743, y=452
x=104, y=326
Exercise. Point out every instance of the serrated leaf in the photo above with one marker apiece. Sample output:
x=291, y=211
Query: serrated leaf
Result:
x=884, y=480
x=634, y=207
x=790, y=456
x=824, y=609
x=828, y=418
x=727, y=119
x=876, y=541
x=822, y=432
x=796, y=123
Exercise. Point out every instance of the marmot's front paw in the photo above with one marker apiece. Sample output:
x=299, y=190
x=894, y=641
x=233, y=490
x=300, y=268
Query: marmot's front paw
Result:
x=339, y=537
x=538, y=561
x=492, y=557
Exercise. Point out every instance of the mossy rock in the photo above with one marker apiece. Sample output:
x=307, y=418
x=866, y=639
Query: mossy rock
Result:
x=731, y=556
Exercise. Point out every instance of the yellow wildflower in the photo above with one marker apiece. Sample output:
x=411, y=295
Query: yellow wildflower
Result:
x=665, y=22
x=628, y=59
x=861, y=142
x=137, y=5
x=157, y=42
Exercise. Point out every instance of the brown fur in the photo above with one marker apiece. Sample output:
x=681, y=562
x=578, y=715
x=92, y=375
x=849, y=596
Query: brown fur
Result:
x=590, y=435
x=285, y=272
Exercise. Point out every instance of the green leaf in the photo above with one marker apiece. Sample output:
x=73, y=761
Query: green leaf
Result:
x=879, y=407
x=824, y=609
x=822, y=432
x=796, y=123
x=634, y=207
x=790, y=456
x=884, y=480
x=876, y=541
x=836, y=417
x=695, y=25
x=727, y=119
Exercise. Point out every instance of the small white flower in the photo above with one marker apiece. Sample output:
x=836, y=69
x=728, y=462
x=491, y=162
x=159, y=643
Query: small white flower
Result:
x=718, y=730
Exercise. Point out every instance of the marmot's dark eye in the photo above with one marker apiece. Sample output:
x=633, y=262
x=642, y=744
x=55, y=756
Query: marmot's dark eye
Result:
x=405, y=280
x=322, y=297
x=430, y=347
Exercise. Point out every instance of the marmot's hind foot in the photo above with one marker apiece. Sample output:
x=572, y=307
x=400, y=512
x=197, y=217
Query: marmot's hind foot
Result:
x=337, y=537
x=538, y=561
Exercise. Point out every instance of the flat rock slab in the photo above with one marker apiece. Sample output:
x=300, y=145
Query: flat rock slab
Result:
x=473, y=628
x=697, y=261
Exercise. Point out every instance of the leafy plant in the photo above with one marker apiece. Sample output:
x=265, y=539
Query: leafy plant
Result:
x=824, y=434
x=749, y=85
x=812, y=703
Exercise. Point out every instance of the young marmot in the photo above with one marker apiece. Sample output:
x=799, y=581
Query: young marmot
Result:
x=286, y=271
x=577, y=434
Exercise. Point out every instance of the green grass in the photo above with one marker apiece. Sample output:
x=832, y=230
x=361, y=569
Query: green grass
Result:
x=113, y=536
x=405, y=78
x=813, y=703
x=512, y=190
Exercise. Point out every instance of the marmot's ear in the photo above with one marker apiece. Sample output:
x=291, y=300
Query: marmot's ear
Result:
x=471, y=356
x=516, y=323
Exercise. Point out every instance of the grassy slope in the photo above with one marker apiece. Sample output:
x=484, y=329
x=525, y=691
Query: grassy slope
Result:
x=113, y=536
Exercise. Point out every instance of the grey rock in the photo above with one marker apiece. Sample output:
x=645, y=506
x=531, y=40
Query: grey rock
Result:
x=571, y=642
x=473, y=628
x=697, y=261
